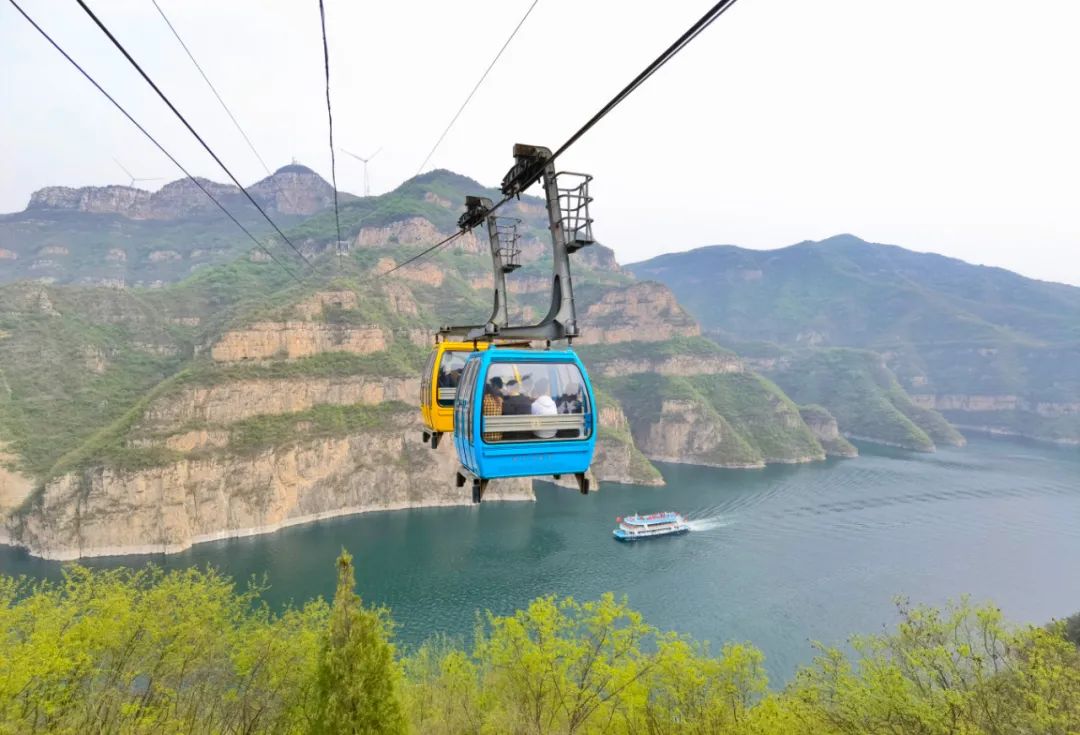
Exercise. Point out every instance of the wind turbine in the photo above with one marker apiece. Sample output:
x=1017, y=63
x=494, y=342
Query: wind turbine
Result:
x=367, y=183
x=132, y=176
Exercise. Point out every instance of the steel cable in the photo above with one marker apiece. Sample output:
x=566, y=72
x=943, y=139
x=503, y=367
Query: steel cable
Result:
x=152, y=139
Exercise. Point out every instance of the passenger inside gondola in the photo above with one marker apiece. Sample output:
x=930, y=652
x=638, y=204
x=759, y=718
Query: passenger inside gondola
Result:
x=520, y=389
x=544, y=405
x=572, y=400
x=516, y=403
x=450, y=370
x=492, y=405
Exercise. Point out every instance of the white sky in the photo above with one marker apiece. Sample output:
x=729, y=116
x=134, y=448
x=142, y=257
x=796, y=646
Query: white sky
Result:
x=940, y=125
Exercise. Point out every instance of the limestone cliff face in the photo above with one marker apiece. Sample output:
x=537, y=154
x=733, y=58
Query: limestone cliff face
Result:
x=823, y=425
x=15, y=487
x=687, y=433
x=676, y=365
x=1008, y=415
x=415, y=230
x=103, y=511
x=122, y=200
x=292, y=190
x=641, y=312
x=981, y=403
x=294, y=339
x=237, y=400
x=315, y=305
x=617, y=458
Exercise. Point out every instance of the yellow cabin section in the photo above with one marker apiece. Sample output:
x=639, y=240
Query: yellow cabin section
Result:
x=439, y=383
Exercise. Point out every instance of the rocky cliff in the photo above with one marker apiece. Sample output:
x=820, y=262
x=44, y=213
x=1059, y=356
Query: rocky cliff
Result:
x=827, y=431
x=1008, y=415
x=291, y=190
x=689, y=401
x=641, y=312
x=103, y=510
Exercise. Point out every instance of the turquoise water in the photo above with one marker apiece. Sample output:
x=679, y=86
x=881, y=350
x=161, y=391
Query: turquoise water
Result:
x=779, y=557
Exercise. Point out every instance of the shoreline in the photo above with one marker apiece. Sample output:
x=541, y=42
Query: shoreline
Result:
x=67, y=554
x=990, y=431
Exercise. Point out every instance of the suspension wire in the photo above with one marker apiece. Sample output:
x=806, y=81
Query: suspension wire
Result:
x=438, y=142
x=482, y=78
x=704, y=22
x=198, y=137
x=669, y=53
x=421, y=254
x=212, y=88
x=153, y=140
x=330, y=118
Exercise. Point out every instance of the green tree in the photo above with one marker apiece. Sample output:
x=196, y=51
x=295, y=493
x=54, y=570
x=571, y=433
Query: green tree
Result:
x=442, y=689
x=560, y=666
x=1071, y=629
x=148, y=651
x=959, y=671
x=690, y=691
x=357, y=685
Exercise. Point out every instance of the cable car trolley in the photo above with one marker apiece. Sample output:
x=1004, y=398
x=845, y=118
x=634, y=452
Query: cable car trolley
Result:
x=521, y=412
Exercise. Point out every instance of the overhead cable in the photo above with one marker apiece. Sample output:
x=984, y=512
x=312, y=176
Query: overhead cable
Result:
x=669, y=53
x=182, y=119
x=153, y=140
x=476, y=87
x=421, y=254
x=330, y=118
x=212, y=88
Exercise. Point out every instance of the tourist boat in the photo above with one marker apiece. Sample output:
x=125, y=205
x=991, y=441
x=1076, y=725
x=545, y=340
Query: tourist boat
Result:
x=635, y=527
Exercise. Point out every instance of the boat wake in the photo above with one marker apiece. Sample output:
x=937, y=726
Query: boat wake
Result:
x=708, y=524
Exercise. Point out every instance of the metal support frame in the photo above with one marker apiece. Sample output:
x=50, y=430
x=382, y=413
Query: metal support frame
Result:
x=502, y=239
x=533, y=163
x=479, y=486
x=432, y=437
x=571, y=230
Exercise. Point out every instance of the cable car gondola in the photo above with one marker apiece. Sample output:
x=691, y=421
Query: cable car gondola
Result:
x=522, y=412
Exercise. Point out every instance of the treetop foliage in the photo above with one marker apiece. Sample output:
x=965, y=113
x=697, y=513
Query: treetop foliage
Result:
x=148, y=651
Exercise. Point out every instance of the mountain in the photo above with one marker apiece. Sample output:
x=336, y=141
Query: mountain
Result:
x=121, y=235
x=236, y=400
x=990, y=349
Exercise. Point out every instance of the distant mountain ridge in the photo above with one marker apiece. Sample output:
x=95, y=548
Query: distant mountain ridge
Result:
x=991, y=349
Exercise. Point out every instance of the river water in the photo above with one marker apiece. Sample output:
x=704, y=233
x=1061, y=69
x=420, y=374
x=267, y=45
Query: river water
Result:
x=778, y=557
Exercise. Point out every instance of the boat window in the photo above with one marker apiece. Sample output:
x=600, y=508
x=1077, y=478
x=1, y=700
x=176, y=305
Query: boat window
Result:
x=534, y=401
x=450, y=376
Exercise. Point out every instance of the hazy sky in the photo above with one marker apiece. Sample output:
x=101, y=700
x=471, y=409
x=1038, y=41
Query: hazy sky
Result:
x=940, y=125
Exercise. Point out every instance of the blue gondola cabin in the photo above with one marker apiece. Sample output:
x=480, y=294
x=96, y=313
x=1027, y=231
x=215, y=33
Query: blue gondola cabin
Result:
x=524, y=413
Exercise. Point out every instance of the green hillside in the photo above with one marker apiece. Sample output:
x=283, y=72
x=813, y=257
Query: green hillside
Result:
x=864, y=396
x=859, y=294
x=948, y=329
x=732, y=420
